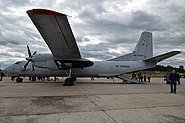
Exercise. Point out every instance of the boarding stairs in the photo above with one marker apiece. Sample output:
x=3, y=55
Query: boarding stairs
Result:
x=126, y=79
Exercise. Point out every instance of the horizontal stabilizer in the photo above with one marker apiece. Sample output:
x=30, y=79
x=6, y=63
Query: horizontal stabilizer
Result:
x=162, y=57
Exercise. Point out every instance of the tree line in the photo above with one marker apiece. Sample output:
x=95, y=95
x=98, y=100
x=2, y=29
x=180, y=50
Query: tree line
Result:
x=168, y=68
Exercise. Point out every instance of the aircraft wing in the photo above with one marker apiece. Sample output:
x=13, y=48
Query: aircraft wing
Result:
x=162, y=57
x=55, y=30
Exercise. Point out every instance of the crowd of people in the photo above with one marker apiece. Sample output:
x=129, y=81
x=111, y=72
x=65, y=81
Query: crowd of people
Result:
x=141, y=77
x=172, y=79
x=39, y=78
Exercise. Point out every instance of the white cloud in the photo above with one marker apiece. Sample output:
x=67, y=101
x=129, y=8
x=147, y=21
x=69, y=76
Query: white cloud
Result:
x=103, y=29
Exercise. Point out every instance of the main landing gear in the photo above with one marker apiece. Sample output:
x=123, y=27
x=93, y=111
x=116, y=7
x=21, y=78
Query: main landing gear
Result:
x=70, y=80
x=19, y=80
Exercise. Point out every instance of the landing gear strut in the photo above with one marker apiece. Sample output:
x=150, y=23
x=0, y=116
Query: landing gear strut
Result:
x=70, y=80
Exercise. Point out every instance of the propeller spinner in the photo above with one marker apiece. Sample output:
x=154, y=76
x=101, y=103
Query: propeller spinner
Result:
x=29, y=59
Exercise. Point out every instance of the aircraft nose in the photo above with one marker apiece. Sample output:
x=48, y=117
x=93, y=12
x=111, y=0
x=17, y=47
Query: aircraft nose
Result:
x=6, y=70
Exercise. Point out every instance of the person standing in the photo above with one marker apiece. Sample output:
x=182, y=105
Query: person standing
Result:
x=173, y=77
x=144, y=75
x=142, y=78
x=139, y=76
x=1, y=75
x=149, y=76
x=179, y=82
x=92, y=78
x=167, y=78
x=55, y=78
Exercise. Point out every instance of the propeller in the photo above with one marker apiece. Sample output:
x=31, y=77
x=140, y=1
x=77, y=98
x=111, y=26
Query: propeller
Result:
x=29, y=59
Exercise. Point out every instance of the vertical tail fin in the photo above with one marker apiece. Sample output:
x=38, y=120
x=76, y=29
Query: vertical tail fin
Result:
x=143, y=49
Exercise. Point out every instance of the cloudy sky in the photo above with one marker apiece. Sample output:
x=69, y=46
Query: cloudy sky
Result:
x=103, y=29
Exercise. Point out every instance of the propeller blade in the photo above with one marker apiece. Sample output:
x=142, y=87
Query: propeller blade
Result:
x=33, y=68
x=26, y=64
x=34, y=52
x=29, y=52
x=29, y=58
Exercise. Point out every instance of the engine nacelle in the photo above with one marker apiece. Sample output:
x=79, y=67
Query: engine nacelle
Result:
x=48, y=61
x=44, y=61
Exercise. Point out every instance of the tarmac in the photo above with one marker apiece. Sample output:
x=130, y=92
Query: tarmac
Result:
x=98, y=101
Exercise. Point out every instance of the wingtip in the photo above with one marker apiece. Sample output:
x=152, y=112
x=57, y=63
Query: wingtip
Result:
x=43, y=12
x=176, y=51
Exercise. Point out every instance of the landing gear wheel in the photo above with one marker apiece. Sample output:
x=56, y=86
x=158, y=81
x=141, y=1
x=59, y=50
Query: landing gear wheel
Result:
x=74, y=78
x=19, y=80
x=69, y=82
x=33, y=79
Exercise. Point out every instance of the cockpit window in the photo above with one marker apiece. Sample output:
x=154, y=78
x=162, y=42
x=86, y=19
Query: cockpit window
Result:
x=17, y=62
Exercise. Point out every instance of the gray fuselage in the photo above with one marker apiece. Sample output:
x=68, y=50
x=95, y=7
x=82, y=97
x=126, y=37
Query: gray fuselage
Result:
x=45, y=66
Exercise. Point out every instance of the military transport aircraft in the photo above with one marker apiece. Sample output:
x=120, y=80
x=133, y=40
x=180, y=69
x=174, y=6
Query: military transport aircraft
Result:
x=66, y=60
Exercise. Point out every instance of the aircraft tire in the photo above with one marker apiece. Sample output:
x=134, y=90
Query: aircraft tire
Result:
x=69, y=82
x=74, y=78
x=19, y=80
x=33, y=79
